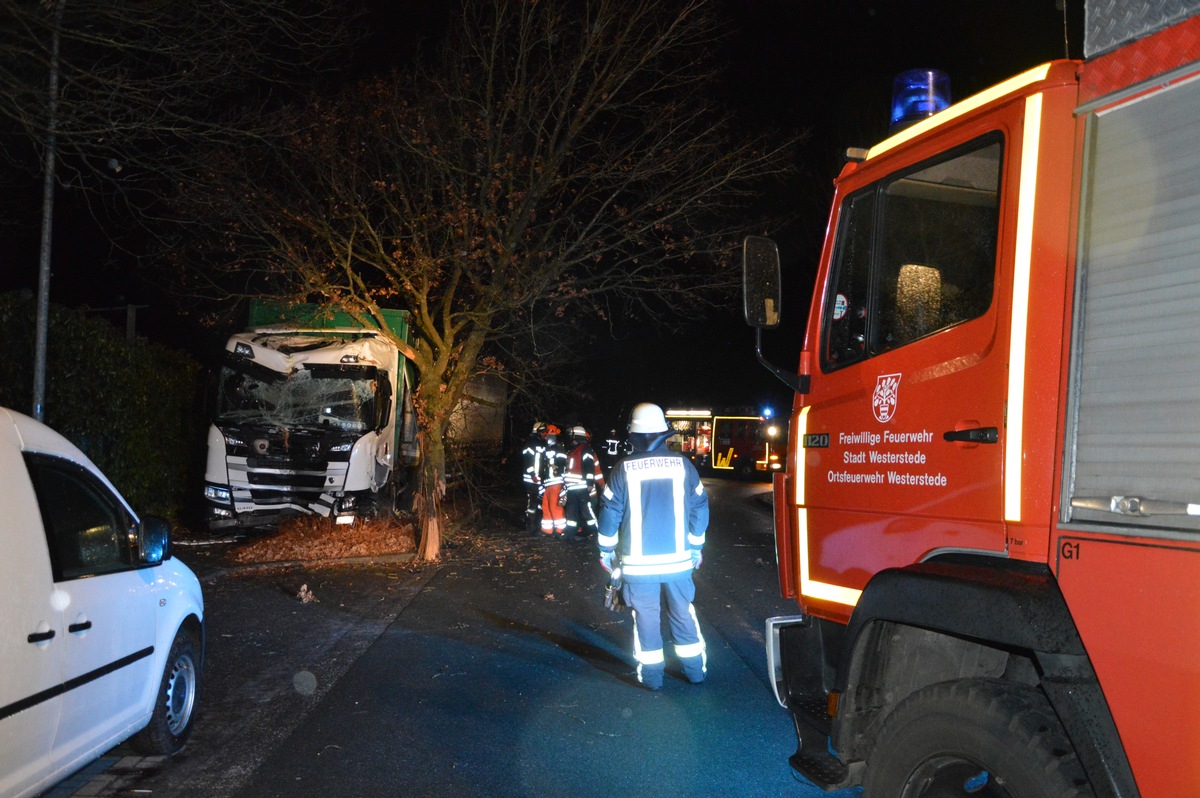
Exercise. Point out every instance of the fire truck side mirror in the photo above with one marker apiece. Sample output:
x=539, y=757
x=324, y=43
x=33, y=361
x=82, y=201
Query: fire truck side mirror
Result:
x=760, y=282
x=761, y=294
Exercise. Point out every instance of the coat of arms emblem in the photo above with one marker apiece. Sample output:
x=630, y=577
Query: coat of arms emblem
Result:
x=883, y=401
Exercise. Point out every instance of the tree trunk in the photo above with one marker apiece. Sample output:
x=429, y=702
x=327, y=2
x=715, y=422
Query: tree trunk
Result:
x=431, y=489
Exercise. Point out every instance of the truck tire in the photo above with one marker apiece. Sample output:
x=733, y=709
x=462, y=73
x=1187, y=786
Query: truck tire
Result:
x=975, y=737
x=395, y=498
x=175, y=707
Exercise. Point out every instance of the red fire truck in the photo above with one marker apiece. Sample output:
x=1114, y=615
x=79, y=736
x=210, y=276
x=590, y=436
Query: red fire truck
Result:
x=990, y=519
x=743, y=444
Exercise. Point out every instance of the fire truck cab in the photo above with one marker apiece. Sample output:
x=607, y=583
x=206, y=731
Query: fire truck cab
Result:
x=990, y=518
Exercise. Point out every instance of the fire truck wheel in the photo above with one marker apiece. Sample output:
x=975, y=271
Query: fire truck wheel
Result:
x=977, y=737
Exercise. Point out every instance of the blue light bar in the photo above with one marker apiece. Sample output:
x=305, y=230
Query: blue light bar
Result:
x=917, y=94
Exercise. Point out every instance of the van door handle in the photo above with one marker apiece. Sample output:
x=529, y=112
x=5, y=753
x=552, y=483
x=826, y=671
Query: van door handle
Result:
x=40, y=637
x=977, y=435
x=79, y=627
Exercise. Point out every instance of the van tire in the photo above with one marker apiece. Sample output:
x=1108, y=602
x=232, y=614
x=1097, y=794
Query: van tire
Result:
x=982, y=737
x=175, y=703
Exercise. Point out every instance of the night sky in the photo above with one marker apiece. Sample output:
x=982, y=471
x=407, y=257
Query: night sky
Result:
x=826, y=67
x=820, y=66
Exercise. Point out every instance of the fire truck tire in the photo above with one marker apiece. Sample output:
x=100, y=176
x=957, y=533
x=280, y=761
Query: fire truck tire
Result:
x=978, y=737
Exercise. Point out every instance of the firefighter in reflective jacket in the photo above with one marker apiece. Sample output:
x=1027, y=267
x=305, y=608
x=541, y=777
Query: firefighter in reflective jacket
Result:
x=553, y=468
x=613, y=450
x=654, y=517
x=582, y=480
x=531, y=462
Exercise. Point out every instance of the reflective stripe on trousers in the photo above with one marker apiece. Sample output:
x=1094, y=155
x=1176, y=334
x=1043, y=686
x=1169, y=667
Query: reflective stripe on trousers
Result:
x=645, y=598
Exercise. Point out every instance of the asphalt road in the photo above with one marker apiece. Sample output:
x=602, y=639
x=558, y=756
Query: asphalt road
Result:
x=497, y=673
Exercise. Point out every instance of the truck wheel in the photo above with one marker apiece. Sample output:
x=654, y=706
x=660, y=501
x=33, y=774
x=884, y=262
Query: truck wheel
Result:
x=394, y=498
x=175, y=708
x=976, y=737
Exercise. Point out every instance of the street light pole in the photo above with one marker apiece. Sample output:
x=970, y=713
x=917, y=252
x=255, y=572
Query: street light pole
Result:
x=43, y=302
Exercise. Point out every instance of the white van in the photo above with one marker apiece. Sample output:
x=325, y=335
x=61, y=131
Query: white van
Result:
x=101, y=630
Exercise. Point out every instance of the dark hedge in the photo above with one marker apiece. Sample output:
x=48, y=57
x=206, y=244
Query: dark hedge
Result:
x=133, y=407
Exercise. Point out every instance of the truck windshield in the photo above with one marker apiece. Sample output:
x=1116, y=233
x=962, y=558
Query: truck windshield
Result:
x=315, y=396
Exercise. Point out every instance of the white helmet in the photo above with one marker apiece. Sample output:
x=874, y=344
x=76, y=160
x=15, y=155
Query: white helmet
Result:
x=647, y=417
x=578, y=431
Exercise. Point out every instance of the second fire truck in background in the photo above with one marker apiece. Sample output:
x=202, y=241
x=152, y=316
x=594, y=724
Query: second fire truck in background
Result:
x=736, y=442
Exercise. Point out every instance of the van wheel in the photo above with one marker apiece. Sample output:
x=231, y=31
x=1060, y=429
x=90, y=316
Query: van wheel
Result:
x=175, y=708
x=976, y=737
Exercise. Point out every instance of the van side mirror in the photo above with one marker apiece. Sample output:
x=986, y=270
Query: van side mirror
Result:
x=761, y=290
x=154, y=542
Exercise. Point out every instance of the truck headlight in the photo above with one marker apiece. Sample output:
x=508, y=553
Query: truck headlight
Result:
x=217, y=493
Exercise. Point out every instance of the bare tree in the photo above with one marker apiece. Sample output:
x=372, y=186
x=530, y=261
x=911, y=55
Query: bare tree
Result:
x=557, y=158
x=142, y=82
x=116, y=93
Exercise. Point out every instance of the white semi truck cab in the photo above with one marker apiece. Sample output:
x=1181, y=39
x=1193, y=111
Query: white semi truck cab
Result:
x=314, y=415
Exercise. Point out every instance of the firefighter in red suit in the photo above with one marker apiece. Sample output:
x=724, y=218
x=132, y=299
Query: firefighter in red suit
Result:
x=553, y=470
x=580, y=485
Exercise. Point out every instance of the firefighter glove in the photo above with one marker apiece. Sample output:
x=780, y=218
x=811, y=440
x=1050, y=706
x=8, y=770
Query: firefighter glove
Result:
x=697, y=558
x=606, y=560
x=562, y=499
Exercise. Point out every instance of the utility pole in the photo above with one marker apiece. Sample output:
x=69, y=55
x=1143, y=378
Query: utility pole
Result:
x=43, y=299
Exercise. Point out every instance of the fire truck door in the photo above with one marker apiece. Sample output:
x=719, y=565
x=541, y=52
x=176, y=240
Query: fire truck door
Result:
x=903, y=427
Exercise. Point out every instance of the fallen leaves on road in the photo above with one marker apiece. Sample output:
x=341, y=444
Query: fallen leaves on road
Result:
x=310, y=538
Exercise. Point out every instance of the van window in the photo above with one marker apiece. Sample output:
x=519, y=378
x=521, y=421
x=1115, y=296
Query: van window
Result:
x=915, y=254
x=87, y=530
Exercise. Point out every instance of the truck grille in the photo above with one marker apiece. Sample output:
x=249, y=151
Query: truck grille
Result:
x=274, y=469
